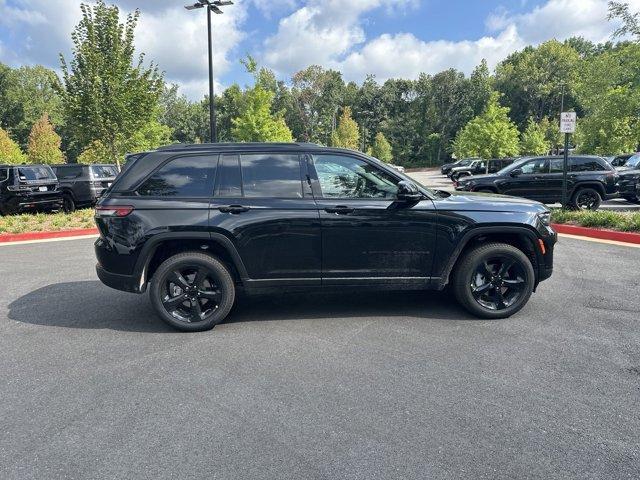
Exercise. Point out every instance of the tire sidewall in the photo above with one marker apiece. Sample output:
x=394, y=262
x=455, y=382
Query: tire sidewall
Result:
x=574, y=202
x=222, y=278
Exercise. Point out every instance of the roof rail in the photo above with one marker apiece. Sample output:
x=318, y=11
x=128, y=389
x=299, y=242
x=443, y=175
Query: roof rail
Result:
x=200, y=146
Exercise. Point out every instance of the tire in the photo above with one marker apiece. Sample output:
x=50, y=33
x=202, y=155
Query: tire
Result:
x=632, y=199
x=68, y=204
x=480, y=300
x=586, y=199
x=167, y=288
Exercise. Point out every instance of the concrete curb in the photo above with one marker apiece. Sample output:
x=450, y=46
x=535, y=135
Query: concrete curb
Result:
x=19, y=237
x=625, y=237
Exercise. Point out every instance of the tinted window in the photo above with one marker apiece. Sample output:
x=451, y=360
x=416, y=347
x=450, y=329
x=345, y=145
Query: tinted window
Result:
x=229, y=180
x=271, y=175
x=556, y=165
x=35, y=173
x=104, y=171
x=181, y=177
x=535, y=166
x=586, y=165
x=4, y=173
x=73, y=171
x=348, y=177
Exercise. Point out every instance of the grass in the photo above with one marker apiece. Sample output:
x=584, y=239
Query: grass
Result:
x=621, y=221
x=46, y=222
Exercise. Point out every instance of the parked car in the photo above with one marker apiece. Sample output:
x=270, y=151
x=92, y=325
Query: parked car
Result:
x=629, y=181
x=619, y=160
x=193, y=224
x=400, y=168
x=590, y=180
x=480, y=166
x=28, y=187
x=446, y=168
x=81, y=185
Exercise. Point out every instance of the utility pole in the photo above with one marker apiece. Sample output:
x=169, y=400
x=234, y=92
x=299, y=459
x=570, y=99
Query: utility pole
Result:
x=211, y=6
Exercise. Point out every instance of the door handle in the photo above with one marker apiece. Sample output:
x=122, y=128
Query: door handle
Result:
x=235, y=209
x=339, y=209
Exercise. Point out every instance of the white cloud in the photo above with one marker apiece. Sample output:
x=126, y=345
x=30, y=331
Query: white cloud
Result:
x=324, y=33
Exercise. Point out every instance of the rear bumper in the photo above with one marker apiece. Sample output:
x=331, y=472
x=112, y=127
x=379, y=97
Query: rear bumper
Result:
x=126, y=283
x=32, y=203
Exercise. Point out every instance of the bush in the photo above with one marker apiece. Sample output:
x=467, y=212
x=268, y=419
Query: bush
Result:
x=622, y=221
x=9, y=150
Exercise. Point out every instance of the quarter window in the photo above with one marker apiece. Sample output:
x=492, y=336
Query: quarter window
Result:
x=349, y=177
x=271, y=175
x=181, y=177
x=586, y=165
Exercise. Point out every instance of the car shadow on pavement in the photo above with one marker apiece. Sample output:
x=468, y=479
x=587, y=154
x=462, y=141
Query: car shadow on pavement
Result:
x=89, y=304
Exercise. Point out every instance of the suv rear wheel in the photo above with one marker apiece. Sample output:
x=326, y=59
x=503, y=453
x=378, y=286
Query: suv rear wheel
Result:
x=68, y=205
x=192, y=291
x=493, y=280
x=586, y=199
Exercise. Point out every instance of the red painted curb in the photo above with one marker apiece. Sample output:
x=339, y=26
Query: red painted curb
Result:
x=627, y=237
x=17, y=237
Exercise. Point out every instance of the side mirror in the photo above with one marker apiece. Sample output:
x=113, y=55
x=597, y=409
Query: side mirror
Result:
x=408, y=192
x=516, y=172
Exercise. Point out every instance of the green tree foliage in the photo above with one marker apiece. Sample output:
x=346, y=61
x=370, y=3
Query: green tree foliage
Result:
x=255, y=122
x=532, y=81
x=44, y=143
x=533, y=140
x=96, y=152
x=26, y=93
x=381, y=148
x=188, y=121
x=630, y=21
x=489, y=135
x=108, y=94
x=9, y=150
x=346, y=134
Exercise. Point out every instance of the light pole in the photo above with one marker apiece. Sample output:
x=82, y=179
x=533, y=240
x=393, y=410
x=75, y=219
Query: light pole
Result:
x=211, y=6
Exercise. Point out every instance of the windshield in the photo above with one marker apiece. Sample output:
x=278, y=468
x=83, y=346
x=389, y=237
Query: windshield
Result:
x=104, y=171
x=35, y=173
x=633, y=161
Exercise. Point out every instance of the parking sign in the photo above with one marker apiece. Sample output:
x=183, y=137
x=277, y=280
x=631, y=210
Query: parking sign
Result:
x=568, y=122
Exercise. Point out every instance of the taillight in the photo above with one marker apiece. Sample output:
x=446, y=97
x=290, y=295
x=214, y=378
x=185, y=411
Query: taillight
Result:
x=121, y=211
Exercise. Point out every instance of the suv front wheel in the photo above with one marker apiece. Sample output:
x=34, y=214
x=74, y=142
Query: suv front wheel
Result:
x=192, y=291
x=586, y=199
x=493, y=280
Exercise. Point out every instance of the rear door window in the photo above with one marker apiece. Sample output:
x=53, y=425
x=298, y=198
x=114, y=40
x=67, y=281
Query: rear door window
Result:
x=271, y=175
x=185, y=177
x=68, y=172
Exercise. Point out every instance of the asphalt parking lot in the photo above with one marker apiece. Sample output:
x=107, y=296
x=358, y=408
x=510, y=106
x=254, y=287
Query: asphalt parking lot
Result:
x=433, y=179
x=360, y=386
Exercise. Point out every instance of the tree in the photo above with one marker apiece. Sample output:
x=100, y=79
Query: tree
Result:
x=533, y=141
x=489, y=135
x=108, y=96
x=381, y=148
x=28, y=93
x=346, y=134
x=630, y=21
x=188, y=121
x=255, y=122
x=9, y=150
x=44, y=143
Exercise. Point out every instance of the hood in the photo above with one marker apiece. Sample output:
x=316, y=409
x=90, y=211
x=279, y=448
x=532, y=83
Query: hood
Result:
x=489, y=176
x=627, y=171
x=488, y=202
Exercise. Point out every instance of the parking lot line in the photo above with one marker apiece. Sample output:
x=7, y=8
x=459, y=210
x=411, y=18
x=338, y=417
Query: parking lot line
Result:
x=599, y=240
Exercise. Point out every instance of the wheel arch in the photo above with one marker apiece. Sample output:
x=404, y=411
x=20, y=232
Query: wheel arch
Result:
x=597, y=186
x=523, y=238
x=163, y=246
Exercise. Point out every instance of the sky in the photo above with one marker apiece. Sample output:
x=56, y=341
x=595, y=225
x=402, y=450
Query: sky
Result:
x=389, y=39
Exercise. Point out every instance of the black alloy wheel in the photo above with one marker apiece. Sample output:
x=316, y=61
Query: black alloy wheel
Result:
x=192, y=291
x=498, y=282
x=494, y=280
x=68, y=205
x=587, y=199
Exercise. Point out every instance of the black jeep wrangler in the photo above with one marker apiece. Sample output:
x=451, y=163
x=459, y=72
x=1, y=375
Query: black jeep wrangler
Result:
x=590, y=179
x=193, y=224
x=28, y=187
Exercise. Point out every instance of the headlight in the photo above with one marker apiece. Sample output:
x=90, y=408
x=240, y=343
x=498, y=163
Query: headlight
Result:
x=545, y=218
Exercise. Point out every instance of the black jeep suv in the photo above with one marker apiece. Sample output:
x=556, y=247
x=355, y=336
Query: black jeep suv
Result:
x=195, y=223
x=590, y=179
x=476, y=167
x=28, y=187
x=629, y=182
x=81, y=185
